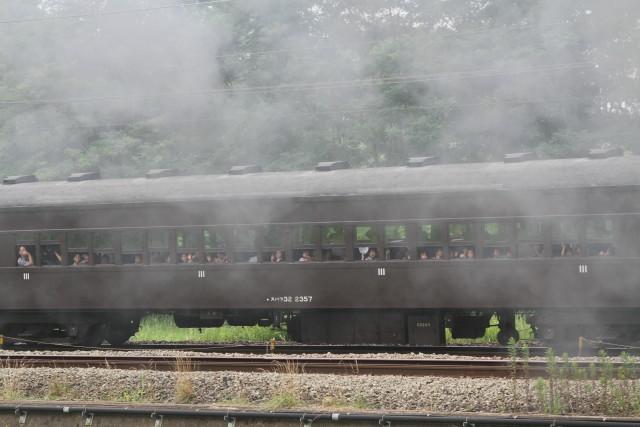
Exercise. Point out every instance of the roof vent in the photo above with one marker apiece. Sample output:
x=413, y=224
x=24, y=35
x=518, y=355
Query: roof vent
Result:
x=332, y=166
x=83, y=176
x=519, y=157
x=417, y=162
x=603, y=153
x=160, y=173
x=244, y=169
x=19, y=179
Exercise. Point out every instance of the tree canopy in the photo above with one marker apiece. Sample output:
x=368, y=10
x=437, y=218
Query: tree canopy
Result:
x=125, y=86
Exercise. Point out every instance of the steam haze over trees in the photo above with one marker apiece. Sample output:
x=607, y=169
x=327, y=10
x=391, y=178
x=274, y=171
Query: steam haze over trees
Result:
x=126, y=86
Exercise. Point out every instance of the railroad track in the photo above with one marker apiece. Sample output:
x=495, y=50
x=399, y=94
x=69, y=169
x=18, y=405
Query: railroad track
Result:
x=344, y=366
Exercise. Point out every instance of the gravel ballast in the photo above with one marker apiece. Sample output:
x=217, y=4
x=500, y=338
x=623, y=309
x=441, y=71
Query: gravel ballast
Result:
x=280, y=390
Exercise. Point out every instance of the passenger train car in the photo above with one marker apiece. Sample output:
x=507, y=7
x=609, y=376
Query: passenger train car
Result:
x=388, y=255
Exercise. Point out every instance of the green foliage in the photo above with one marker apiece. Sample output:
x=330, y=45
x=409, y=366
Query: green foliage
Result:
x=389, y=79
x=491, y=333
x=163, y=328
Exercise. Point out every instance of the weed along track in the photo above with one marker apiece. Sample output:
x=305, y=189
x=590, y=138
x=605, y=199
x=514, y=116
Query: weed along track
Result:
x=479, y=368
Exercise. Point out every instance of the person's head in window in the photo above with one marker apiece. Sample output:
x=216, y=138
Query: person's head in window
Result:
x=439, y=254
x=471, y=254
x=85, y=259
x=24, y=257
x=77, y=259
x=137, y=259
x=306, y=256
x=496, y=253
x=277, y=256
x=371, y=255
x=424, y=255
x=183, y=258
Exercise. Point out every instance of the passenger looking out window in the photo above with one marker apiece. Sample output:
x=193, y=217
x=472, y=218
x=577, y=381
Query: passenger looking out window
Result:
x=217, y=258
x=439, y=254
x=423, y=255
x=51, y=255
x=25, y=259
x=188, y=258
x=277, y=256
x=462, y=253
x=371, y=255
x=80, y=259
x=568, y=250
x=306, y=256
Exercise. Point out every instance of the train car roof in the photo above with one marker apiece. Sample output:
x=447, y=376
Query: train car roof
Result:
x=537, y=174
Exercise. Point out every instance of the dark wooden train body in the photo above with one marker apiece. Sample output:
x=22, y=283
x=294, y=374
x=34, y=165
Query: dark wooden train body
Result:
x=385, y=300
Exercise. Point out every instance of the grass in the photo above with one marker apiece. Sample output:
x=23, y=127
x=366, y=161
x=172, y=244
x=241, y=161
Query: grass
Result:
x=491, y=333
x=184, y=392
x=161, y=327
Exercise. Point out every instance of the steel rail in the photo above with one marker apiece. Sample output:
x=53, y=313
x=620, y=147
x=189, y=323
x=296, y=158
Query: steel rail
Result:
x=297, y=418
x=344, y=366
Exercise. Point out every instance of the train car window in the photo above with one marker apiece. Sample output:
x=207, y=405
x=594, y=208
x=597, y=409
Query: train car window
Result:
x=78, y=248
x=460, y=232
x=365, y=239
x=158, y=241
x=564, y=233
x=599, y=237
x=461, y=241
x=103, y=248
x=187, y=246
x=215, y=247
x=395, y=242
x=530, y=239
x=304, y=245
x=496, y=237
x=244, y=239
x=430, y=233
x=51, y=248
x=495, y=231
x=25, y=254
x=273, y=249
x=430, y=242
x=333, y=243
x=133, y=247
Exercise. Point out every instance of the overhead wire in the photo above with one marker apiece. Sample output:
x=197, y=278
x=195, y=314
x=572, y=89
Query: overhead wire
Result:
x=306, y=86
x=160, y=122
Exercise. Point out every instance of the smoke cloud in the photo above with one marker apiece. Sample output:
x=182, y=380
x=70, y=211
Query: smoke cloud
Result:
x=127, y=86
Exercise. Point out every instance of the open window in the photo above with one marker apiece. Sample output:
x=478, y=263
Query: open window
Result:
x=187, y=242
x=133, y=247
x=25, y=255
x=333, y=243
x=496, y=237
x=215, y=246
x=599, y=236
x=396, y=245
x=51, y=248
x=78, y=248
x=430, y=242
x=530, y=238
x=244, y=240
x=365, y=243
x=461, y=242
x=304, y=243
x=565, y=238
x=274, y=239
x=158, y=241
x=103, y=248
